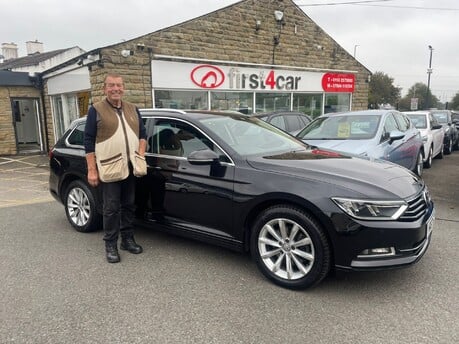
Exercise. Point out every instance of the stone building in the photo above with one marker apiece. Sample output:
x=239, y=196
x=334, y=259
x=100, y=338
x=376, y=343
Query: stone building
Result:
x=252, y=56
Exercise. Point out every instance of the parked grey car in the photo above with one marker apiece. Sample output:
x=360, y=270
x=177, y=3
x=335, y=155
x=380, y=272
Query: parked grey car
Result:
x=451, y=140
x=289, y=121
x=375, y=134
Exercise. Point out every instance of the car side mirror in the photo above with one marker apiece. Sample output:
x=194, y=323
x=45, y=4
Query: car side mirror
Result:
x=395, y=135
x=437, y=126
x=203, y=157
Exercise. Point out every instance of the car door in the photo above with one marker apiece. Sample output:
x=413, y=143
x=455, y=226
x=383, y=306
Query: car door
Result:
x=392, y=150
x=438, y=135
x=411, y=144
x=197, y=197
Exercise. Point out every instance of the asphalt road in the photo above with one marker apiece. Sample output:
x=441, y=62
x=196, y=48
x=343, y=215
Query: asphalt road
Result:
x=56, y=287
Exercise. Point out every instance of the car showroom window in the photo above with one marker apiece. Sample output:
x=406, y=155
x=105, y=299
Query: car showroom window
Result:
x=181, y=99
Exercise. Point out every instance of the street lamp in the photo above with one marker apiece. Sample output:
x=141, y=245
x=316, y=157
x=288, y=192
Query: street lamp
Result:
x=429, y=72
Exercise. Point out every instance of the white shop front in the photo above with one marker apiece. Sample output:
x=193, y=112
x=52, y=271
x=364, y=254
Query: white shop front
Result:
x=248, y=88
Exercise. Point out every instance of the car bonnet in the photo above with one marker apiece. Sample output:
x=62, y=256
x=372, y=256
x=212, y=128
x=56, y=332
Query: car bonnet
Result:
x=374, y=179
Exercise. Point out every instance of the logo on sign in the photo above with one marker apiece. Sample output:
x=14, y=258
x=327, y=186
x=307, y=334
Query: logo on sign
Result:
x=338, y=82
x=207, y=76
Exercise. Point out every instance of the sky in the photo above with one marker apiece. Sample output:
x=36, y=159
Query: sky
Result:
x=389, y=36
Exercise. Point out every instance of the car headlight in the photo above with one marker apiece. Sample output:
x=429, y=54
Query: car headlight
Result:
x=424, y=138
x=371, y=210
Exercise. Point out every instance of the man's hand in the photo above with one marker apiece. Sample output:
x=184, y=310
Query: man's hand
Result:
x=93, y=177
x=93, y=174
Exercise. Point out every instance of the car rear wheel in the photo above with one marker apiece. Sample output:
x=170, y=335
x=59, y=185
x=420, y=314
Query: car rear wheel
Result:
x=428, y=163
x=290, y=247
x=80, y=207
x=419, y=164
x=449, y=147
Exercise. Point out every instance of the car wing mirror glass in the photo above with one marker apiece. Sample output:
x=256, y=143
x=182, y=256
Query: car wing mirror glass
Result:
x=437, y=126
x=202, y=157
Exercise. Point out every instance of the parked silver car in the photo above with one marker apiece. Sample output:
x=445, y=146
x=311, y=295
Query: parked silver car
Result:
x=432, y=134
x=376, y=134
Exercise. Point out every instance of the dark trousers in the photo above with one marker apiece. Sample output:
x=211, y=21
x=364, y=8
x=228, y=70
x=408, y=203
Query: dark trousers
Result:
x=118, y=208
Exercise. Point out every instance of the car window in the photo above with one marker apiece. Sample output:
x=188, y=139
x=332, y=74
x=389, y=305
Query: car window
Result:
x=441, y=117
x=390, y=124
x=433, y=120
x=278, y=121
x=76, y=137
x=251, y=136
x=342, y=128
x=176, y=138
x=403, y=122
x=419, y=121
x=294, y=122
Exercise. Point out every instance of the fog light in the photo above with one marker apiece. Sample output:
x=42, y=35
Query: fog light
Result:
x=377, y=252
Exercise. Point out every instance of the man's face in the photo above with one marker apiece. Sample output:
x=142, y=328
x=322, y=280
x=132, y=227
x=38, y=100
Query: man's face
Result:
x=114, y=89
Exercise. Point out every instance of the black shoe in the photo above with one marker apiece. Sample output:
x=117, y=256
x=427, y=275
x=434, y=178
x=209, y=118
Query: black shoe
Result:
x=130, y=245
x=111, y=252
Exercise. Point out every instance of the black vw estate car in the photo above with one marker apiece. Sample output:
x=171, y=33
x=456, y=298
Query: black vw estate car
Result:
x=238, y=182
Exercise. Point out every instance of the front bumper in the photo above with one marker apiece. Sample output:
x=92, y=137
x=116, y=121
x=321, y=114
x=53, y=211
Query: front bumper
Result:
x=407, y=245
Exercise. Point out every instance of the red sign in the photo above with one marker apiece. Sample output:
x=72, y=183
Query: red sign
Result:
x=338, y=82
x=207, y=76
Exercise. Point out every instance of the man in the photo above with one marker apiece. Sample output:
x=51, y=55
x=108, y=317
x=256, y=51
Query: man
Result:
x=115, y=138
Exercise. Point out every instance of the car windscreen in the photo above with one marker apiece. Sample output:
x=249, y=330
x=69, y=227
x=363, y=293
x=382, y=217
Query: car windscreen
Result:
x=251, y=136
x=441, y=117
x=419, y=121
x=346, y=127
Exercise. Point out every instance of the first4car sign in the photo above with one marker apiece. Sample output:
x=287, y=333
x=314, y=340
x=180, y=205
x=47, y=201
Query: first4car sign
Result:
x=179, y=75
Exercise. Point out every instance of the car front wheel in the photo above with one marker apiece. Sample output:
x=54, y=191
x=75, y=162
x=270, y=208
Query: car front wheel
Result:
x=449, y=147
x=419, y=165
x=80, y=207
x=290, y=247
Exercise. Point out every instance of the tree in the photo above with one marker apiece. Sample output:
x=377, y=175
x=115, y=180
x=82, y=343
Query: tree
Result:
x=382, y=90
x=454, y=105
x=419, y=91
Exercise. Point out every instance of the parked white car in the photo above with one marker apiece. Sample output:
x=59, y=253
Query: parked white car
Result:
x=432, y=134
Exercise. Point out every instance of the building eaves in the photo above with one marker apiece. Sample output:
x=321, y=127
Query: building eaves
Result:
x=30, y=60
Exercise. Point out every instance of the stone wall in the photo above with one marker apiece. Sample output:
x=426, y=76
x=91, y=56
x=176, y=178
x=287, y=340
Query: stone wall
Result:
x=229, y=35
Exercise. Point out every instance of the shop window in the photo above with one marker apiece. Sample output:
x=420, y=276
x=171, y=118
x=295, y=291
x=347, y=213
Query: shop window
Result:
x=235, y=101
x=65, y=110
x=337, y=102
x=268, y=102
x=181, y=99
x=310, y=104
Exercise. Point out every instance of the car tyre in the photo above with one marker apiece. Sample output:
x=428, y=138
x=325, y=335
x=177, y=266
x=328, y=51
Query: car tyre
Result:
x=80, y=207
x=428, y=163
x=419, y=164
x=290, y=248
x=449, y=147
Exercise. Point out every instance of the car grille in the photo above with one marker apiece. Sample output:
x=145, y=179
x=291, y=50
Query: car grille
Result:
x=417, y=207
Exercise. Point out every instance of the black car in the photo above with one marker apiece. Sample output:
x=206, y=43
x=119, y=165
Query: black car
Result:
x=451, y=140
x=236, y=181
x=289, y=121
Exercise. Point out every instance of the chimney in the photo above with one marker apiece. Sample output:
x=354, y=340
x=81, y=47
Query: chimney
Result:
x=34, y=47
x=9, y=51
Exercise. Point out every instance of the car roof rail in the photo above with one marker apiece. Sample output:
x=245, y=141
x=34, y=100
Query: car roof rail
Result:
x=162, y=110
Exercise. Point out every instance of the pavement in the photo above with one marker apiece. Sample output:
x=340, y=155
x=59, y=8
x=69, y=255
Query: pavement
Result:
x=24, y=180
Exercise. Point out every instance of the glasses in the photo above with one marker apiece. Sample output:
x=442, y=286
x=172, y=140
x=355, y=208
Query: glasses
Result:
x=112, y=85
